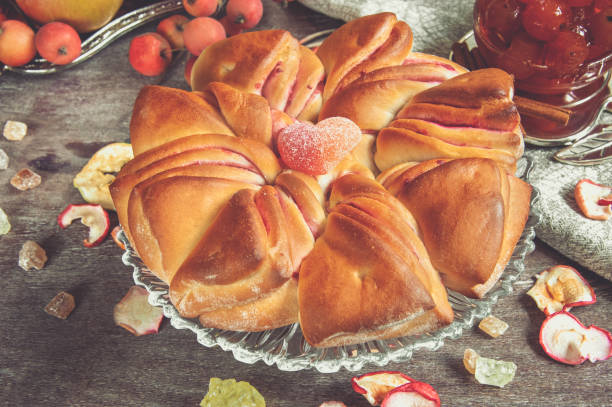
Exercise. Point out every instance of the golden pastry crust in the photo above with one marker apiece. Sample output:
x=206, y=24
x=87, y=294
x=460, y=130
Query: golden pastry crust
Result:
x=469, y=115
x=247, y=244
x=470, y=212
x=367, y=43
x=368, y=276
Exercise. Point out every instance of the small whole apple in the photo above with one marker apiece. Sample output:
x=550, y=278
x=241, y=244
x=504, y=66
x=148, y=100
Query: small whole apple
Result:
x=58, y=43
x=244, y=13
x=150, y=54
x=202, y=8
x=16, y=43
x=171, y=28
x=201, y=32
x=230, y=27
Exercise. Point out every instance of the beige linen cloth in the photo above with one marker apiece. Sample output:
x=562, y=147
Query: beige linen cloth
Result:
x=436, y=25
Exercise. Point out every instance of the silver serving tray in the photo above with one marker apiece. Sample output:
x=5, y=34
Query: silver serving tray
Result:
x=286, y=347
x=97, y=41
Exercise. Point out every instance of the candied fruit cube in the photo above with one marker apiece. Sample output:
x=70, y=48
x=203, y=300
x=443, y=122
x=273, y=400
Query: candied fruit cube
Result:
x=32, y=255
x=229, y=393
x=469, y=360
x=5, y=225
x=494, y=372
x=61, y=305
x=493, y=326
x=26, y=179
x=4, y=160
x=14, y=130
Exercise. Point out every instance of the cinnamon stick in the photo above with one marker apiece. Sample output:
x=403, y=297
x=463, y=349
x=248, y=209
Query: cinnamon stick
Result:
x=540, y=110
x=458, y=50
x=473, y=59
x=478, y=58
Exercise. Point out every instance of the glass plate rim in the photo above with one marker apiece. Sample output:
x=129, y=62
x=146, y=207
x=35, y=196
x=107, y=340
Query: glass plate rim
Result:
x=286, y=348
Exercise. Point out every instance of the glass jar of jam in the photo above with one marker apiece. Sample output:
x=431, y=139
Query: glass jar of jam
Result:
x=559, y=51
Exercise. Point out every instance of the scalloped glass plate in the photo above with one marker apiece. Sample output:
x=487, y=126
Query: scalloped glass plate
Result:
x=287, y=348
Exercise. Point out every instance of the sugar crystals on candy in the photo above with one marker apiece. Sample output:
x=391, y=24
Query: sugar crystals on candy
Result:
x=14, y=130
x=61, y=305
x=469, y=360
x=494, y=372
x=26, y=179
x=32, y=255
x=4, y=160
x=493, y=326
x=5, y=225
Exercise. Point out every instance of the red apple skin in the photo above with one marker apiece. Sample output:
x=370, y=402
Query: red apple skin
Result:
x=189, y=67
x=202, y=8
x=16, y=43
x=201, y=32
x=3, y=16
x=58, y=43
x=230, y=28
x=244, y=13
x=171, y=28
x=150, y=54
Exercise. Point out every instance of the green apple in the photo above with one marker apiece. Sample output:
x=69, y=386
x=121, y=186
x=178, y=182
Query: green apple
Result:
x=84, y=16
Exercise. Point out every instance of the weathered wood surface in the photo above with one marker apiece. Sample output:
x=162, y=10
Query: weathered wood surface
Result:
x=88, y=361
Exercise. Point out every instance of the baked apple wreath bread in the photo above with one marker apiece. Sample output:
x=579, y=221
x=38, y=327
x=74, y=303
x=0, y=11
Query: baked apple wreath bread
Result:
x=257, y=218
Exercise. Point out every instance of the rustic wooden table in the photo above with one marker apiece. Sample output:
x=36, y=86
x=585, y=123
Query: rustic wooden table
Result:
x=88, y=361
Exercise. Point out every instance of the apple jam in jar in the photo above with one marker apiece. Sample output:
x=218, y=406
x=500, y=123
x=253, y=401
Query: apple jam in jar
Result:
x=559, y=51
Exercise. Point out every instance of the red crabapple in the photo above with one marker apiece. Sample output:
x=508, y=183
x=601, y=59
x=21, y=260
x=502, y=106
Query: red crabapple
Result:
x=202, y=8
x=201, y=32
x=150, y=54
x=245, y=13
x=171, y=28
x=16, y=43
x=58, y=43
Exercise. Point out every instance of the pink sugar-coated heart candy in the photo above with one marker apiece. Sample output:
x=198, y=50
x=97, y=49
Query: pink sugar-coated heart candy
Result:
x=300, y=146
x=317, y=149
x=341, y=136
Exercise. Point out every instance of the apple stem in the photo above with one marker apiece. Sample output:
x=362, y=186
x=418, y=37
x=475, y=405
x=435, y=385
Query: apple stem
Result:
x=240, y=19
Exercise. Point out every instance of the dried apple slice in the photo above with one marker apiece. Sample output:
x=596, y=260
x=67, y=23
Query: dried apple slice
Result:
x=115, y=236
x=95, y=177
x=594, y=199
x=374, y=386
x=565, y=339
x=561, y=288
x=92, y=216
x=135, y=314
x=414, y=394
x=493, y=326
